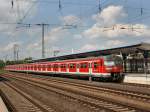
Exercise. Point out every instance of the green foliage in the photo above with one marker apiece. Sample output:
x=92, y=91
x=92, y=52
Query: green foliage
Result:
x=2, y=64
x=2, y=71
x=8, y=62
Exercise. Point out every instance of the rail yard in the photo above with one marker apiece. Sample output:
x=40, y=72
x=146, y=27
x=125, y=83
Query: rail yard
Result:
x=74, y=56
x=29, y=92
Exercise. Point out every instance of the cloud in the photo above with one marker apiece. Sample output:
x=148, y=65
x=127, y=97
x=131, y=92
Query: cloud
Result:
x=89, y=47
x=115, y=43
x=71, y=20
x=9, y=47
x=77, y=36
x=105, y=45
x=119, y=30
x=110, y=15
x=108, y=25
x=56, y=34
x=33, y=46
x=9, y=14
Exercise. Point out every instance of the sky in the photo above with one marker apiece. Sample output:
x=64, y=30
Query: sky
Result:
x=74, y=26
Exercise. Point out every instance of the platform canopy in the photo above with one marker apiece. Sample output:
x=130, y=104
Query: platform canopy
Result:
x=125, y=50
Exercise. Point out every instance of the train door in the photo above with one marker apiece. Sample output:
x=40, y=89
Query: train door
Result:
x=49, y=67
x=84, y=67
x=32, y=67
x=35, y=67
x=39, y=67
x=55, y=67
x=72, y=67
x=43, y=67
x=95, y=67
x=63, y=67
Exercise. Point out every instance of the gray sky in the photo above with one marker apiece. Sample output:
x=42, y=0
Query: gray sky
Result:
x=118, y=23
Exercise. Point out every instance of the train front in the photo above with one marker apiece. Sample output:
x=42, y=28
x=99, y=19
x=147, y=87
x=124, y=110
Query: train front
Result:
x=114, y=66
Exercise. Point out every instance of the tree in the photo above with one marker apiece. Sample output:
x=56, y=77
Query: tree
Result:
x=2, y=64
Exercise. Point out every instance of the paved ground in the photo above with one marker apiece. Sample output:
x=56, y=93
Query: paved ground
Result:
x=2, y=106
x=137, y=78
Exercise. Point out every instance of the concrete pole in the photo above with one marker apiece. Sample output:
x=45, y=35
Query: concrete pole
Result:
x=43, y=42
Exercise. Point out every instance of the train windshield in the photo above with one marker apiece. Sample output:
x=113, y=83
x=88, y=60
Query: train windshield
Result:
x=112, y=60
x=109, y=63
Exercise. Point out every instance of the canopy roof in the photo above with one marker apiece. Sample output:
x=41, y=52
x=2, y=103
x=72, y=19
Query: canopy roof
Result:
x=141, y=47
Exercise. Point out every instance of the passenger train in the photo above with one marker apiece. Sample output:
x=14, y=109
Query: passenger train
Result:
x=108, y=68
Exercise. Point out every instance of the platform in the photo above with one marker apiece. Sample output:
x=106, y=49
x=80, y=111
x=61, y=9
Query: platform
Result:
x=3, y=107
x=137, y=78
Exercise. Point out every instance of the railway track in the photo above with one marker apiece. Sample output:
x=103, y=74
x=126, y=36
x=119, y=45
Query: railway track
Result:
x=7, y=102
x=40, y=107
x=131, y=94
x=137, y=96
x=137, y=85
x=96, y=94
x=88, y=102
x=83, y=99
x=134, y=95
x=123, y=84
x=19, y=101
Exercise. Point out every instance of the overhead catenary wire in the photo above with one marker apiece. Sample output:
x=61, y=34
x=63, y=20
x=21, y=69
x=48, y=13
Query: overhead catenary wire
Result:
x=27, y=12
x=60, y=3
x=56, y=2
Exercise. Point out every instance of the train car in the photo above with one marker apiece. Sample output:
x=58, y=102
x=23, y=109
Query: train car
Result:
x=104, y=68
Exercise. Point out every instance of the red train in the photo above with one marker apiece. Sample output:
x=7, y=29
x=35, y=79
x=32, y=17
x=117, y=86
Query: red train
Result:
x=105, y=68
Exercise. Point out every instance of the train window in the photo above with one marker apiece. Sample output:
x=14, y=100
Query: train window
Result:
x=65, y=66
x=72, y=65
x=44, y=66
x=109, y=63
x=49, y=66
x=62, y=66
x=55, y=66
x=83, y=65
x=95, y=64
